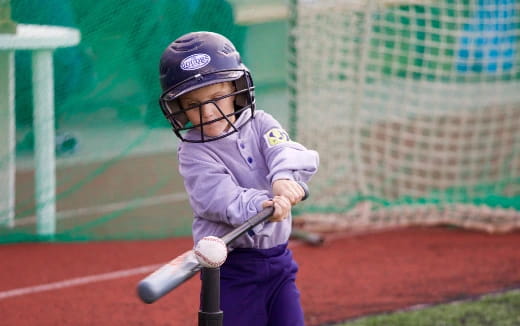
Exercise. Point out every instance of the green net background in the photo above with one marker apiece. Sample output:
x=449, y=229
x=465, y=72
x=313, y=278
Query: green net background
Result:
x=116, y=155
x=316, y=67
x=421, y=111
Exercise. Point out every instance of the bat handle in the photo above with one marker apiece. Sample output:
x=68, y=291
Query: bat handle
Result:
x=257, y=219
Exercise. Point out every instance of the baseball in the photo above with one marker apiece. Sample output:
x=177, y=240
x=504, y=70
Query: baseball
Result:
x=211, y=252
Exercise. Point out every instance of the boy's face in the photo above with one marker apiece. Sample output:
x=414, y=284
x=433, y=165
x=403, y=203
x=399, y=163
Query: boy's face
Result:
x=199, y=110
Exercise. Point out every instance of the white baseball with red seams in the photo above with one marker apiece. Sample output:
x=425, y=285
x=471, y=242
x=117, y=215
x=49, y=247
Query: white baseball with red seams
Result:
x=211, y=251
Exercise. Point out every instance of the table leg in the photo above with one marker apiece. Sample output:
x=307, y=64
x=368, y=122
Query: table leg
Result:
x=7, y=139
x=44, y=142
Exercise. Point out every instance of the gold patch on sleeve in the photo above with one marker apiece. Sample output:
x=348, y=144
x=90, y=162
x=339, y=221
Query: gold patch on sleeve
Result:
x=276, y=136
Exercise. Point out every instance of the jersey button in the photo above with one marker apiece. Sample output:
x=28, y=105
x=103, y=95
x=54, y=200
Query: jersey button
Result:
x=242, y=146
x=250, y=159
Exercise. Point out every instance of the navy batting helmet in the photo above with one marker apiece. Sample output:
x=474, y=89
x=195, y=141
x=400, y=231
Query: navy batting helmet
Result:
x=199, y=59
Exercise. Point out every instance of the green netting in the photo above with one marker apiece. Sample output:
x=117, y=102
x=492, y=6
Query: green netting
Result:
x=116, y=63
x=420, y=105
x=116, y=169
x=413, y=106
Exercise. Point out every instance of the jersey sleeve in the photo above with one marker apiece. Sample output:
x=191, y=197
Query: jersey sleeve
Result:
x=286, y=159
x=215, y=195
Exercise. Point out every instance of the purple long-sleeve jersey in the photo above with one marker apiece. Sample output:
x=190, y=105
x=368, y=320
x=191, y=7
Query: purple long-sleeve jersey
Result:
x=227, y=180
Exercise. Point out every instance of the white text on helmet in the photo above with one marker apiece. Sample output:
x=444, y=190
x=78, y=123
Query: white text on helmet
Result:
x=195, y=61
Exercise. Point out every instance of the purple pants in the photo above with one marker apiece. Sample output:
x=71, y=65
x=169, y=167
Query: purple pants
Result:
x=257, y=288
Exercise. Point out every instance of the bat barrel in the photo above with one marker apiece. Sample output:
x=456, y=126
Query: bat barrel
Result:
x=167, y=278
x=149, y=290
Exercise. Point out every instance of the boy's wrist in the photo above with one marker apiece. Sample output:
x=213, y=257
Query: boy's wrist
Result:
x=282, y=176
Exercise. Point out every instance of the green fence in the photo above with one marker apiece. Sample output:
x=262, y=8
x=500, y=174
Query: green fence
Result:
x=116, y=175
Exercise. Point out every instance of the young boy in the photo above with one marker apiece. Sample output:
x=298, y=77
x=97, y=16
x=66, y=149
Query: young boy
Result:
x=235, y=161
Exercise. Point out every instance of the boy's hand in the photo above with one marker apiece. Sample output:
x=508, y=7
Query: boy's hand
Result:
x=289, y=189
x=282, y=208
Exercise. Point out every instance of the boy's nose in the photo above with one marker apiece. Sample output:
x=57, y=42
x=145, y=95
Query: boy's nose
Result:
x=209, y=110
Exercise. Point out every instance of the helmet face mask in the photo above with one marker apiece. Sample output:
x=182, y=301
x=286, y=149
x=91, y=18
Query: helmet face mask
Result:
x=197, y=60
x=177, y=114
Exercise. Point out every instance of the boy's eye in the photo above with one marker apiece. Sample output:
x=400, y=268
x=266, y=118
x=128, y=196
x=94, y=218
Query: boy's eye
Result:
x=216, y=98
x=190, y=105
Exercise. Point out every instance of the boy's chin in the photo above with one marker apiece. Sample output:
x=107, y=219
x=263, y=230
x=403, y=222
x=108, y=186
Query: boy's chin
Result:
x=215, y=132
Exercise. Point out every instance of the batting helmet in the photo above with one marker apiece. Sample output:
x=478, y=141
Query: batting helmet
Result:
x=199, y=59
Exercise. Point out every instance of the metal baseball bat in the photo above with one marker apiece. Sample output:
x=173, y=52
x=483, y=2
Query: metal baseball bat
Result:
x=185, y=266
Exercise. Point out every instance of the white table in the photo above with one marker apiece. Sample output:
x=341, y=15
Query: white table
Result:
x=42, y=41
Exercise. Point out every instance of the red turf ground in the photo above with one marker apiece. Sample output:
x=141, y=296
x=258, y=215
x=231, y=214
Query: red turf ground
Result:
x=347, y=277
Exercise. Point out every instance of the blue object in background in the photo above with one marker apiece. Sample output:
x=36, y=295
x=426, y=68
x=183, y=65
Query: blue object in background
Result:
x=487, y=43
